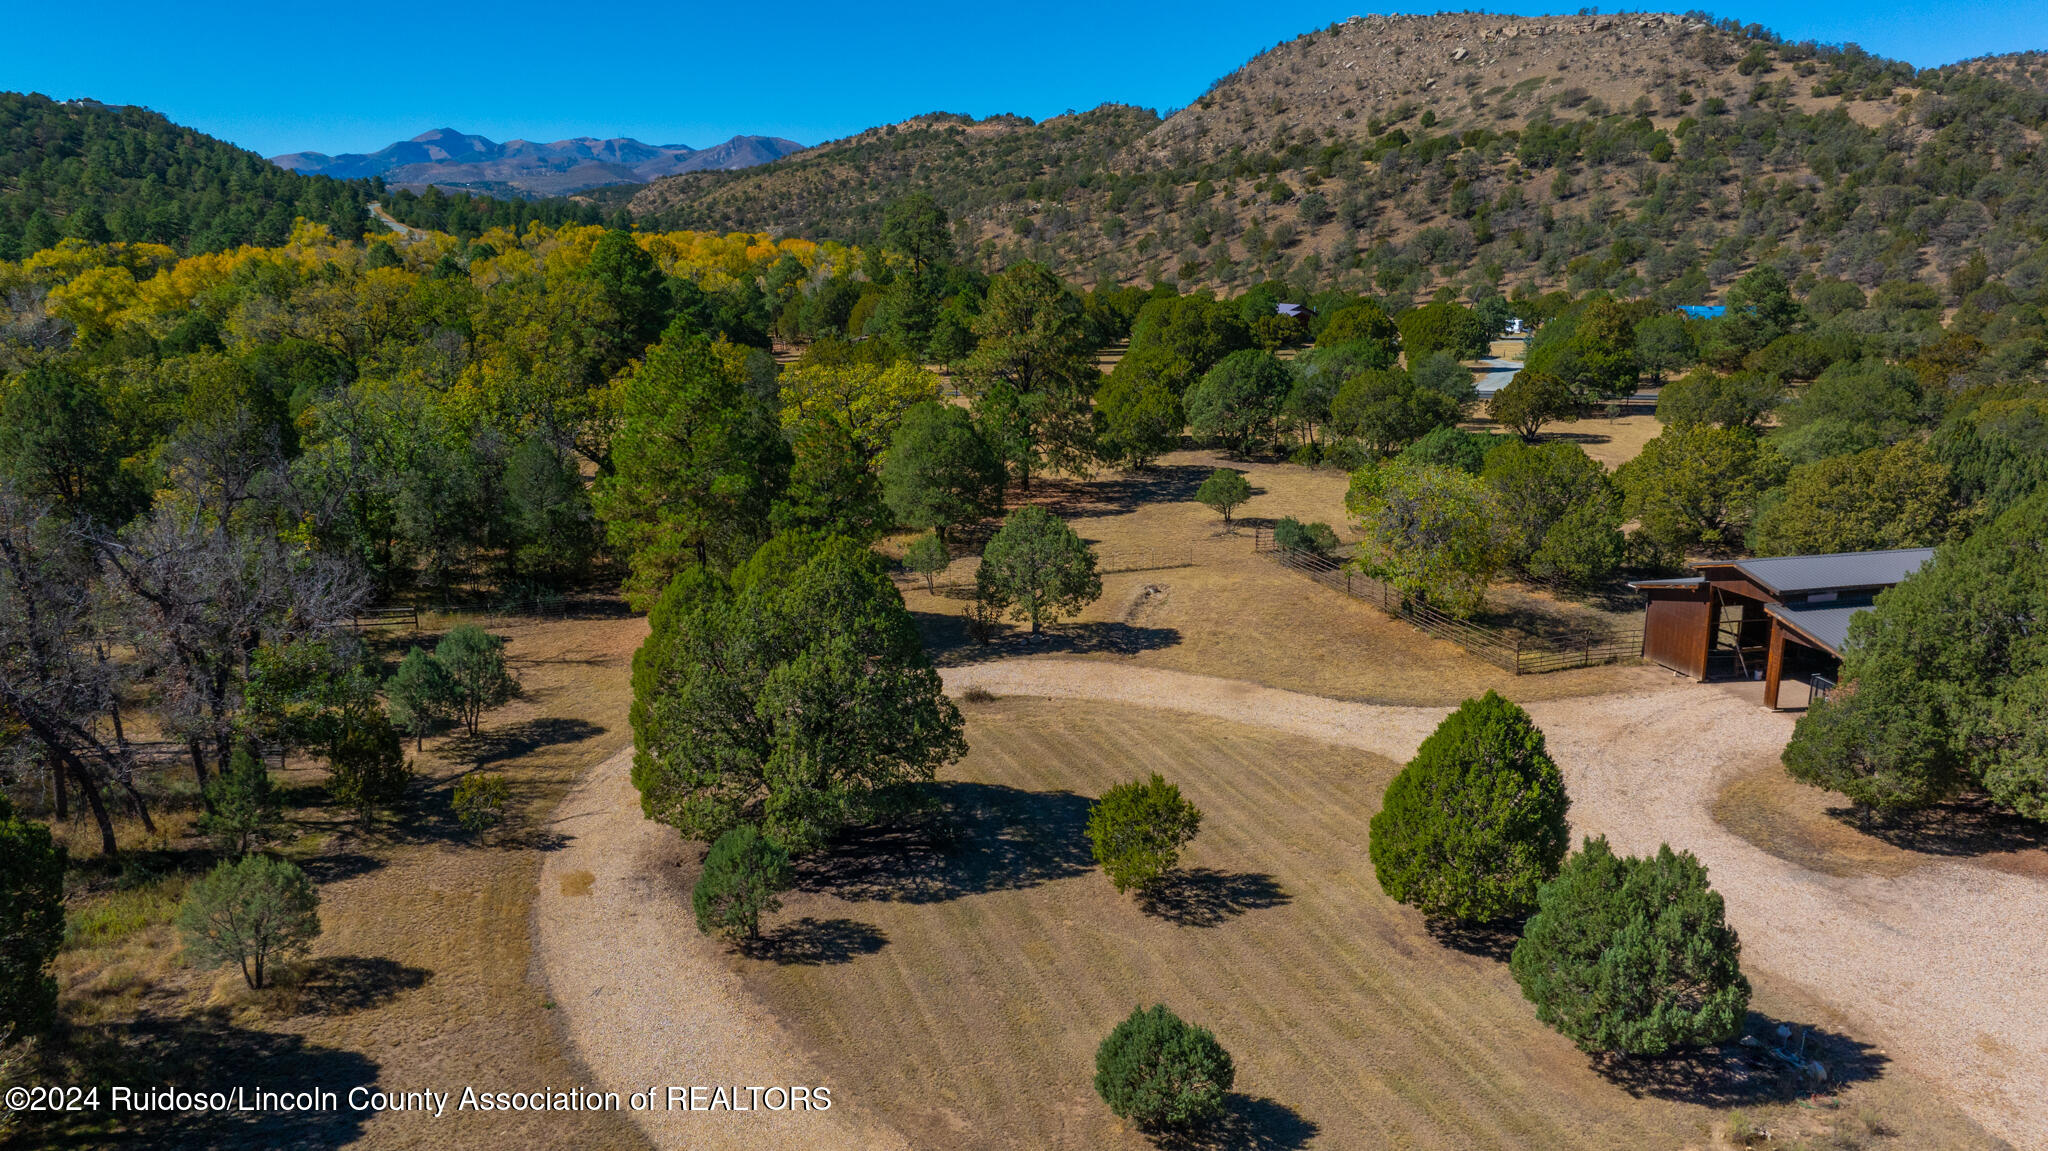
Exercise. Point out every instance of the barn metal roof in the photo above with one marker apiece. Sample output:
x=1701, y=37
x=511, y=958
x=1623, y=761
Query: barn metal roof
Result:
x=1792, y=575
x=1827, y=623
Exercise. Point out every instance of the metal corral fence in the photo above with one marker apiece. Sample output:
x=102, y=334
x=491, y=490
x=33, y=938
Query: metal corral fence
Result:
x=1510, y=651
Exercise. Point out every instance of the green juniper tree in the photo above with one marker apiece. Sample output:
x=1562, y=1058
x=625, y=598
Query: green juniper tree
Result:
x=1137, y=830
x=940, y=472
x=1038, y=568
x=473, y=661
x=253, y=912
x=1225, y=490
x=795, y=696
x=1163, y=1073
x=742, y=875
x=1475, y=823
x=1632, y=955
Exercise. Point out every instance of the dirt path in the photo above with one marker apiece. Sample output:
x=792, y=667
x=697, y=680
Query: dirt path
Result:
x=647, y=1001
x=1944, y=965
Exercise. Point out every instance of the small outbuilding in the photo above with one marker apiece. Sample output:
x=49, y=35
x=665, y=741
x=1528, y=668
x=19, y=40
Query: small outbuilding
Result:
x=1767, y=619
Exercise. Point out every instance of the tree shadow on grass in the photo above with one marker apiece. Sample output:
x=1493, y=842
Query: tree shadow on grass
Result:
x=333, y=867
x=205, y=1052
x=1495, y=941
x=1206, y=897
x=341, y=984
x=1111, y=636
x=1964, y=827
x=813, y=942
x=498, y=744
x=1249, y=1123
x=1735, y=1074
x=1116, y=495
x=980, y=837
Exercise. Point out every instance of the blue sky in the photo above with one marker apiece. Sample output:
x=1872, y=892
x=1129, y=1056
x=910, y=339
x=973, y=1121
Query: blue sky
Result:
x=336, y=77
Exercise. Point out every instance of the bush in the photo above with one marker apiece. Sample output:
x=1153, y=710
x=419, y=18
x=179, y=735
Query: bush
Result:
x=741, y=877
x=1158, y=1071
x=480, y=801
x=1315, y=538
x=1475, y=823
x=1225, y=490
x=244, y=805
x=253, y=912
x=1632, y=955
x=31, y=922
x=1138, y=829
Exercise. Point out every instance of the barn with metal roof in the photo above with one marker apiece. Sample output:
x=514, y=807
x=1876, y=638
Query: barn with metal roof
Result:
x=1768, y=619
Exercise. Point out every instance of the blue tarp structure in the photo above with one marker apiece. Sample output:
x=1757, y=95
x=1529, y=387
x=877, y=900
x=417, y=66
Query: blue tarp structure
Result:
x=1704, y=311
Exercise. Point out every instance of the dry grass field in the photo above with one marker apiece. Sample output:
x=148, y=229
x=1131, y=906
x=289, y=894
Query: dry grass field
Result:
x=1820, y=830
x=1613, y=442
x=961, y=993
x=420, y=977
x=1233, y=613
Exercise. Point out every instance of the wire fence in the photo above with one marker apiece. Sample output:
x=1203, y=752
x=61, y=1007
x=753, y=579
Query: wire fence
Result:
x=1510, y=651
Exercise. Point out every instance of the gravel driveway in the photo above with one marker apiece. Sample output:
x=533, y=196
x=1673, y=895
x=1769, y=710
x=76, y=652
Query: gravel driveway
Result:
x=648, y=1002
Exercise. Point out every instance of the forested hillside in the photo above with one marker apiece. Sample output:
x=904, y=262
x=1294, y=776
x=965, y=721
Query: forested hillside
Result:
x=99, y=172
x=1643, y=154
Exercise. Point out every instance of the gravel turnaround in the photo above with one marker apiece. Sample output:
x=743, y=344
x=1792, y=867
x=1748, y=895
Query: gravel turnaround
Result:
x=648, y=1002
x=1944, y=966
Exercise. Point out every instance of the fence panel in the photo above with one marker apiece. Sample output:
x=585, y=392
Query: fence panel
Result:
x=1508, y=651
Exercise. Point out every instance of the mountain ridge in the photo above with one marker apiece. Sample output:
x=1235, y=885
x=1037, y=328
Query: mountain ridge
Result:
x=1639, y=153
x=449, y=157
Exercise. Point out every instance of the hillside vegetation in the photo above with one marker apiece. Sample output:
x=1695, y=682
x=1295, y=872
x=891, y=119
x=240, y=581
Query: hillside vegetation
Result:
x=1643, y=154
x=97, y=172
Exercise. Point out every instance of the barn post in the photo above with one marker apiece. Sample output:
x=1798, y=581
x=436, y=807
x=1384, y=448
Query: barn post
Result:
x=1774, y=666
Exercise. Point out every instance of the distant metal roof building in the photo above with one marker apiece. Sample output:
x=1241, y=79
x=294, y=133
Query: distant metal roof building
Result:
x=1840, y=572
x=1704, y=311
x=1292, y=311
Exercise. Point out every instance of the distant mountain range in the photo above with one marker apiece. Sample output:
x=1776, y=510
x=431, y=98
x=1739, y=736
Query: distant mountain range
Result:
x=522, y=167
